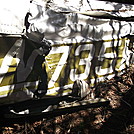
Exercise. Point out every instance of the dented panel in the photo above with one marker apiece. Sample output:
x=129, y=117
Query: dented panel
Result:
x=87, y=43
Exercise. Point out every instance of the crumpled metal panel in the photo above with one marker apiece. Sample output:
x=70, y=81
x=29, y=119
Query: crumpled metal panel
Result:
x=89, y=42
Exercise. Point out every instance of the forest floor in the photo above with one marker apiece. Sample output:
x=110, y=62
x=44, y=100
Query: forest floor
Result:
x=116, y=118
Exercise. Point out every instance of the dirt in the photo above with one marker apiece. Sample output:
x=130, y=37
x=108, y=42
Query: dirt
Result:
x=116, y=118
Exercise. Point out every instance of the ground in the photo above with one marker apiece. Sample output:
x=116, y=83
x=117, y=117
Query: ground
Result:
x=116, y=118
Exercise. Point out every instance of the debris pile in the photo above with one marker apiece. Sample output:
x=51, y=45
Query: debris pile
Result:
x=116, y=118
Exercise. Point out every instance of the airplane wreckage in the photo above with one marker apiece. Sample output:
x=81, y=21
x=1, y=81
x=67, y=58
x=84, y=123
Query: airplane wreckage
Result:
x=53, y=54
